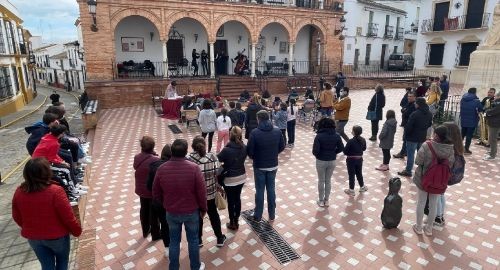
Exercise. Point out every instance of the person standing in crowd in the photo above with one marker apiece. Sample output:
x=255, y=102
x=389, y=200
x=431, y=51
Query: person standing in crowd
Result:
x=264, y=145
x=415, y=133
x=377, y=103
x=157, y=208
x=180, y=187
x=142, y=161
x=404, y=101
x=342, y=107
x=241, y=115
x=54, y=97
x=470, y=107
x=445, y=90
x=171, y=90
x=493, y=122
x=233, y=158
x=233, y=114
x=42, y=210
x=291, y=122
x=208, y=122
x=487, y=103
x=326, y=99
x=209, y=165
x=251, y=115
x=280, y=118
x=458, y=148
x=204, y=62
x=194, y=62
x=327, y=144
x=406, y=112
x=83, y=99
x=421, y=89
x=386, y=138
x=442, y=147
x=353, y=150
x=339, y=83
x=432, y=98
x=223, y=125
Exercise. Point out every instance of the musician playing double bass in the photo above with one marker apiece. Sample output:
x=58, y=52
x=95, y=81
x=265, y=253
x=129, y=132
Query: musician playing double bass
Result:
x=241, y=63
x=483, y=127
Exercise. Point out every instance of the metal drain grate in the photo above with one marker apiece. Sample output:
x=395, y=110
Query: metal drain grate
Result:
x=280, y=249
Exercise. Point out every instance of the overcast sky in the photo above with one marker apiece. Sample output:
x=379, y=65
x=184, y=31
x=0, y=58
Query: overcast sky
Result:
x=54, y=20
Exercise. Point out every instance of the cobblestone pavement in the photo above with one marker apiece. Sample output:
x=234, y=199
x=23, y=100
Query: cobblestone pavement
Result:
x=15, y=252
x=347, y=235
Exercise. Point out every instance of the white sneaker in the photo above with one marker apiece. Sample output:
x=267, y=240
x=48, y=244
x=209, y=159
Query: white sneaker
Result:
x=85, y=160
x=363, y=189
x=349, y=192
x=202, y=266
x=320, y=203
x=82, y=187
x=488, y=157
x=326, y=203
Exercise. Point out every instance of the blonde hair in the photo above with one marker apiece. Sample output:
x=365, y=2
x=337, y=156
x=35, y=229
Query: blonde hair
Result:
x=436, y=88
x=256, y=98
x=236, y=135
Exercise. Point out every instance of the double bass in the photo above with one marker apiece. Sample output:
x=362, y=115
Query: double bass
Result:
x=241, y=60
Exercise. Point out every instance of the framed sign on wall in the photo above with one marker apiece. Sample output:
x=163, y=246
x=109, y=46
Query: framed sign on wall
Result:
x=132, y=44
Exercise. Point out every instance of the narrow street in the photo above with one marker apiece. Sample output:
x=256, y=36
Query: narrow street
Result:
x=15, y=253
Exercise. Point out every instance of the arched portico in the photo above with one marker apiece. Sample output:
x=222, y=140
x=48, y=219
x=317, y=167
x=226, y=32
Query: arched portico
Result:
x=155, y=19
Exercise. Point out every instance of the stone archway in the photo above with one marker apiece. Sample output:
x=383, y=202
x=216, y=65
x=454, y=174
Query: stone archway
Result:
x=312, y=22
x=245, y=21
x=202, y=19
x=263, y=22
x=118, y=16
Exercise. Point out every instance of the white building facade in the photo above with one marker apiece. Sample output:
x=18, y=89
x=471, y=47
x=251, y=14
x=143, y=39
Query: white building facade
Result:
x=373, y=32
x=449, y=32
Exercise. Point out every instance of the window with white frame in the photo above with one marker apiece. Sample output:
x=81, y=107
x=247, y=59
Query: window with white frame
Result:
x=464, y=50
x=6, y=90
x=2, y=44
x=10, y=37
x=435, y=54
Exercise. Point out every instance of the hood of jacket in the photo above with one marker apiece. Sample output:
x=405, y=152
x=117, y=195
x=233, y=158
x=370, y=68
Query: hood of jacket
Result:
x=327, y=131
x=469, y=97
x=394, y=185
x=265, y=126
x=35, y=126
x=392, y=122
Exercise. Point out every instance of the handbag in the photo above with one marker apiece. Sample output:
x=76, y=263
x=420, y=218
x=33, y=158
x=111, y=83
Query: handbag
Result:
x=372, y=115
x=220, y=200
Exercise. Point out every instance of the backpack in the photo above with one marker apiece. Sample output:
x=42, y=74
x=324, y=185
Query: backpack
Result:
x=457, y=170
x=435, y=179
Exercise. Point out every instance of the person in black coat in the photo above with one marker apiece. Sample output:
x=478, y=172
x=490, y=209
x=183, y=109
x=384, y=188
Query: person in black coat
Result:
x=251, y=115
x=377, y=103
x=194, y=61
x=204, y=62
x=339, y=83
x=406, y=112
x=233, y=157
x=157, y=211
x=327, y=144
x=415, y=133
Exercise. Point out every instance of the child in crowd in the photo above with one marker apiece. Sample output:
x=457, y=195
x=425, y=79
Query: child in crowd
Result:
x=386, y=138
x=280, y=118
x=208, y=122
x=233, y=113
x=354, y=159
x=223, y=126
x=290, y=124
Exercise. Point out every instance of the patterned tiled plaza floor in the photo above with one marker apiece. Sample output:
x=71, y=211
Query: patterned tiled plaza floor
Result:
x=346, y=235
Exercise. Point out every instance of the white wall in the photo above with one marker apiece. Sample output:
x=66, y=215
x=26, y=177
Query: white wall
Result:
x=358, y=16
x=136, y=26
x=273, y=48
x=451, y=37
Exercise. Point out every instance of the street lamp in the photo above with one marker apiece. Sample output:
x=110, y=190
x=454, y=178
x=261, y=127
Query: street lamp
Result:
x=79, y=51
x=92, y=11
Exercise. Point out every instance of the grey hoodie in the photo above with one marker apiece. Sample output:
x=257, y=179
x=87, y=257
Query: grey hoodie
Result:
x=207, y=120
x=424, y=159
x=386, y=136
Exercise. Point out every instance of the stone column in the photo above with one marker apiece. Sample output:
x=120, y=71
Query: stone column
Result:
x=292, y=3
x=164, y=58
x=254, y=47
x=321, y=4
x=212, y=59
x=319, y=53
x=290, y=58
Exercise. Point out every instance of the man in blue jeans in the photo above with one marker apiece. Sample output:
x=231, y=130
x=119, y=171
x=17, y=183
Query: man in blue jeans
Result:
x=264, y=145
x=415, y=133
x=180, y=187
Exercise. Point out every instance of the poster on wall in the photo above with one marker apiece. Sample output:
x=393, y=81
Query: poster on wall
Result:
x=284, y=47
x=132, y=44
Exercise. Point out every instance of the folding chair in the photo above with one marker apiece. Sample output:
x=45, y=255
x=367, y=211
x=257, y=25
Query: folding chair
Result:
x=191, y=116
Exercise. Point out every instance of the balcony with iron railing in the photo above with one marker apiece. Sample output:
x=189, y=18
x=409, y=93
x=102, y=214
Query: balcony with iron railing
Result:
x=372, y=30
x=389, y=31
x=463, y=22
x=399, y=33
x=310, y=4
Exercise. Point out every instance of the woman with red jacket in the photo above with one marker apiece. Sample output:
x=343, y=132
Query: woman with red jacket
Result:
x=48, y=225
x=149, y=220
